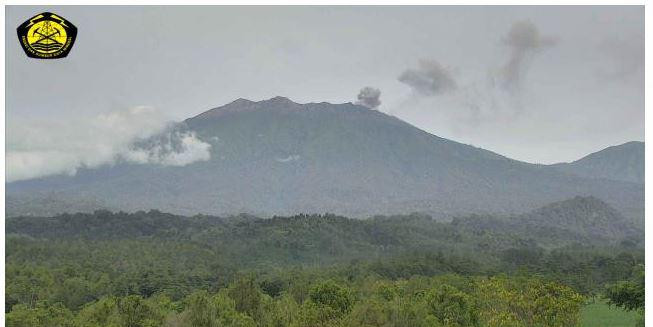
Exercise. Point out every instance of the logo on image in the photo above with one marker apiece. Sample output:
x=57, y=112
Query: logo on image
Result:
x=47, y=36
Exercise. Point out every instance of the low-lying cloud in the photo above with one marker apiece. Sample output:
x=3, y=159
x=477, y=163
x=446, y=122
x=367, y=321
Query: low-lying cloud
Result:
x=369, y=97
x=38, y=149
x=430, y=78
x=174, y=148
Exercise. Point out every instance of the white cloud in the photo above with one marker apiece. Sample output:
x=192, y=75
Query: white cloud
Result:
x=42, y=148
x=292, y=157
x=173, y=149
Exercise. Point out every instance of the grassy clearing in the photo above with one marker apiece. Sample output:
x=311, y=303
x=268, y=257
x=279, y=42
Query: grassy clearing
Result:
x=600, y=314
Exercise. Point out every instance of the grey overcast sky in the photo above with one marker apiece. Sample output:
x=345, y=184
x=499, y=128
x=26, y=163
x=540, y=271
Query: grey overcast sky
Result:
x=539, y=84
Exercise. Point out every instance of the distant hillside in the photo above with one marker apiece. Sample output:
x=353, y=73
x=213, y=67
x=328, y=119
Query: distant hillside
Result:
x=584, y=219
x=46, y=204
x=280, y=157
x=105, y=225
x=623, y=162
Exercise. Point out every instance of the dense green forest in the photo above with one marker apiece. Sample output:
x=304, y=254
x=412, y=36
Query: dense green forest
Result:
x=157, y=269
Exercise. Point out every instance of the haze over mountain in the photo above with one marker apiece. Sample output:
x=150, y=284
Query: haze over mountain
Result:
x=579, y=219
x=280, y=157
x=623, y=162
x=583, y=219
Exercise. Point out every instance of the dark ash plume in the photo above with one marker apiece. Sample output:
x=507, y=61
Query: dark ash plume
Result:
x=524, y=40
x=429, y=79
x=369, y=97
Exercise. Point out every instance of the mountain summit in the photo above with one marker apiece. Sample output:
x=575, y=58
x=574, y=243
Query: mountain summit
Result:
x=280, y=157
x=244, y=105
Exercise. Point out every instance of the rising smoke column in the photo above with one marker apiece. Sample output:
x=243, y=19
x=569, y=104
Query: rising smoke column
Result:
x=524, y=40
x=369, y=97
x=429, y=79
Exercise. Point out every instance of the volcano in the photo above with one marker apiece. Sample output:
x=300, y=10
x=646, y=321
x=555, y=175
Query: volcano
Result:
x=278, y=157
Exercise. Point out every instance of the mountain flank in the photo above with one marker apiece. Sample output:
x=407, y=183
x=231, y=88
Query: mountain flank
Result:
x=278, y=157
x=623, y=162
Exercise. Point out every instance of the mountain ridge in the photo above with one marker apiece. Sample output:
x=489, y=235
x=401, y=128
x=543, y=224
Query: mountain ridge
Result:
x=280, y=157
x=573, y=220
x=623, y=162
x=586, y=219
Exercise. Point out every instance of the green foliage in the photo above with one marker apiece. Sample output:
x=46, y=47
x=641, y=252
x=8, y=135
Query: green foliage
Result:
x=205, y=310
x=247, y=297
x=528, y=302
x=629, y=294
x=128, y=311
x=42, y=315
x=321, y=270
x=452, y=307
x=74, y=292
x=329, y=294
x=101, y=313
x=135, y=312
x=447, y=301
